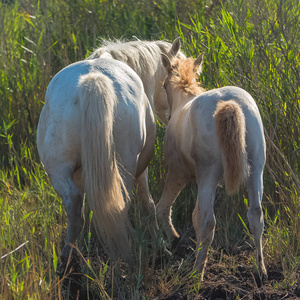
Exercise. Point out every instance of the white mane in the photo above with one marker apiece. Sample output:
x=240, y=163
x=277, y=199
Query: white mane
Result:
x=144, y=57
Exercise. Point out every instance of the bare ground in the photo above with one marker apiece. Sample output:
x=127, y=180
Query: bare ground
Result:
x=239, y=282
x=233, y=276
x=227, y=276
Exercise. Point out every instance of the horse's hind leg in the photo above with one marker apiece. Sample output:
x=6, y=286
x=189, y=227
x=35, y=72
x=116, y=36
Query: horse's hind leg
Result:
x=256, y=219
x=203, y=216
x=63, y=184
x=148, y=206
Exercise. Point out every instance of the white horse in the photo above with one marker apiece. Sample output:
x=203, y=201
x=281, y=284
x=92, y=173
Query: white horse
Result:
x=211, y=135
x=98, y=119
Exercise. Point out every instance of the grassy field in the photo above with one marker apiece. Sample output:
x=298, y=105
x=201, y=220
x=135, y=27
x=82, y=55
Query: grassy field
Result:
x=251, y=44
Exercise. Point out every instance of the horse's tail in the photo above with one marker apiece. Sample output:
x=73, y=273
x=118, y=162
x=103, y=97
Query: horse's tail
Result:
x=231, y=133
x=104, y=187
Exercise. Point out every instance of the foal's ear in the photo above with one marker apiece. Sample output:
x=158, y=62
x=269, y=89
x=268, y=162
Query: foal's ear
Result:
x=198, y=64
x=175, y=48
x=166, y=62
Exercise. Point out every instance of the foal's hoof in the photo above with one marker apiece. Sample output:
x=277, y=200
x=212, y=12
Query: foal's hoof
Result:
x=167, y=253
x=260, y=278
x=162, y=255
x=179, y=248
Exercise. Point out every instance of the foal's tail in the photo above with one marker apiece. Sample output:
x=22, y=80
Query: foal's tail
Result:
x=103, y=184
x=231, y=133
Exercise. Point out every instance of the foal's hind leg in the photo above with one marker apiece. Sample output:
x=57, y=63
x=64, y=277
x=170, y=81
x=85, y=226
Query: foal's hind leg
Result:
x=175, y=182
x=256, y=219
x=63, y=184
x=203, y=216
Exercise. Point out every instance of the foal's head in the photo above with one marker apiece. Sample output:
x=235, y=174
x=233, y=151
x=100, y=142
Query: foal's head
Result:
x=181, y=75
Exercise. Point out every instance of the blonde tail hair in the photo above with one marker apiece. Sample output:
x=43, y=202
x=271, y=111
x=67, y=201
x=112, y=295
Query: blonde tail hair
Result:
x=231, y=133
x=104, y=187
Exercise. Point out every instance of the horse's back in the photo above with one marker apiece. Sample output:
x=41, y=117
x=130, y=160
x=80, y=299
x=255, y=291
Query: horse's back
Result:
x=63, y=88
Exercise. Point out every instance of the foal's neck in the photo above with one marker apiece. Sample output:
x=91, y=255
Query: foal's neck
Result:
x=180, y=99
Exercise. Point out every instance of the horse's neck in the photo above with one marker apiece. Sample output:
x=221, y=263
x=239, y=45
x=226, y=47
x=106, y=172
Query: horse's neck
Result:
x=149, y=73
x=152, y=78
x=150, y=85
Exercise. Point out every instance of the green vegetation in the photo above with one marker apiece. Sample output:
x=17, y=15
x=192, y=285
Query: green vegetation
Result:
x=251, y=44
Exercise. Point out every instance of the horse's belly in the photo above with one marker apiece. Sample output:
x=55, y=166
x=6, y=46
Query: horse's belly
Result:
x=129, y=140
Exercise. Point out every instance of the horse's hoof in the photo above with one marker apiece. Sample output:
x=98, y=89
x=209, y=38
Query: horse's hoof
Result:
x=175, y=243
x=68, y=265
x=61, y=269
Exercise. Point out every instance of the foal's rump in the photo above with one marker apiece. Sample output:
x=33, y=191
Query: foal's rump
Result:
x=230, y=120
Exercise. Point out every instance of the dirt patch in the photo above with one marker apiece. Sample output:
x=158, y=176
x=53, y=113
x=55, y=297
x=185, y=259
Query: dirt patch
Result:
x=237, y=280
